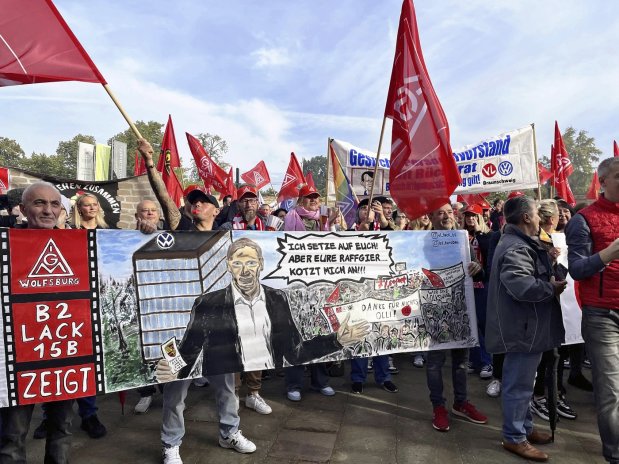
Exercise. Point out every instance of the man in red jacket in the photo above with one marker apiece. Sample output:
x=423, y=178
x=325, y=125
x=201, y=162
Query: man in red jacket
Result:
x=593, y=243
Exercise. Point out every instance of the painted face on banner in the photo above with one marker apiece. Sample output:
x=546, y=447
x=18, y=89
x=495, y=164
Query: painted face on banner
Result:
x=42, y=207
x=245, y=267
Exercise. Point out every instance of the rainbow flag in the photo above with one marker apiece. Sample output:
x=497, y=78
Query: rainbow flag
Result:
x=345, y=198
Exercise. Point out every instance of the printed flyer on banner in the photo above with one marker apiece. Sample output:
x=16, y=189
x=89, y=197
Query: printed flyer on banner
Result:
x=359, y=166
x=88, y=312
x=502, y=163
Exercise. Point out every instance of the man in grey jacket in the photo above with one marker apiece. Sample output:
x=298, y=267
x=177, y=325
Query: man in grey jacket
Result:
x=523, y=320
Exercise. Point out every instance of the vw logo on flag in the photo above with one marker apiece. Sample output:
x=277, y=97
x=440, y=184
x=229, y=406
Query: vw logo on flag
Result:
x=165, y=240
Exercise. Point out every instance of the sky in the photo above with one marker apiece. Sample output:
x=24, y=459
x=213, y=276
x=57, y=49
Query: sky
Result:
x=278, y=77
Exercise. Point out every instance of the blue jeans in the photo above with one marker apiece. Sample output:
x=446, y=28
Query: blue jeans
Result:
x=86, y=407
x=174, y=394
x=294, y=377
x=434, y=374
x=359, y=369
x=15, y=425
x=517, y=388
x=600, y=329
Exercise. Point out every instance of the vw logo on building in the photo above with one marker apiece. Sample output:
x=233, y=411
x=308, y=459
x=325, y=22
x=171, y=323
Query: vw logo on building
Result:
x=165, y=241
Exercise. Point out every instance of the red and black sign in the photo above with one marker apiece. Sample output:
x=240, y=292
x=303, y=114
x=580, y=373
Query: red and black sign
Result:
x=52, y=330
x=489, y=170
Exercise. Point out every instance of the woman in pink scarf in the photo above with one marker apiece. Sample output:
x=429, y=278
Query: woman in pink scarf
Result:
x=306, y=216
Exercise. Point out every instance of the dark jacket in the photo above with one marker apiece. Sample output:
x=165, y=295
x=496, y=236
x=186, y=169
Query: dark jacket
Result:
x=213, y=328
x=523, y=313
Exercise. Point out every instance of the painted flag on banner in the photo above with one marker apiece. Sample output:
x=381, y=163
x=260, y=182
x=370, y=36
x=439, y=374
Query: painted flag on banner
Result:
x=208, y=170
x=102, y=162
x=544, y=174
x=615, y=148
x=594, y=189
x=345, y=197
x=139, y=166
x=434, y=278
x=423, y=171
x=168, y=161
x=258, y=175
x=37, y=45
x=293, y=180
x=5, y=180
x=562, y=168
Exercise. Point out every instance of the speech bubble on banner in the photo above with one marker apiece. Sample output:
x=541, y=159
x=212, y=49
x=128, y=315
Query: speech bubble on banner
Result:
x=331, y=257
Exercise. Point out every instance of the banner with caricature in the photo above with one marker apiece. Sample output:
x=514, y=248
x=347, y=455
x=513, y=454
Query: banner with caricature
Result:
x=97, y=311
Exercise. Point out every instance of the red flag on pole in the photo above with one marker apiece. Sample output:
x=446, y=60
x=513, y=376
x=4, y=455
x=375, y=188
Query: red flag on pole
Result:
x=423, y=171
x=594, y=189
x=258, y=175
x=230, y=188
x=37, y=45
x=5, y=179
x=544, y=174
x=139, y=166
x=168, y=160
x=615, y=148
x=562, y=168
x=310, y=180
x=293, y=180
x=208, y=170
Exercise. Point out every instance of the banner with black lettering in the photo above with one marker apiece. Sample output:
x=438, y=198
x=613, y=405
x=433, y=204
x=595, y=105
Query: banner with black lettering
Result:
x=498, y=164
x=87, y=312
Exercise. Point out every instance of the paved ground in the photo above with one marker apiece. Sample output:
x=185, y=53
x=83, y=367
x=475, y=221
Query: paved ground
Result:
x=376, y=427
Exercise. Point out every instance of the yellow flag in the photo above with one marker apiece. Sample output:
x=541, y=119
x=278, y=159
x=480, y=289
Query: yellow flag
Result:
x=102, y=169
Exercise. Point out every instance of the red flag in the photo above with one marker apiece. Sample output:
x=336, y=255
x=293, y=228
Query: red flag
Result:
x=423, y=171
x=561, y=169
x=544, y=174
x=616, y=148
x=208, y=170
x=139, y=167
x=258, y=176
x=293, y=180
x=37, y=45
x=310, y=180
x=5, y=179
x=230, y=188
x=474, y=199
x=168, y=160
x=594, y=189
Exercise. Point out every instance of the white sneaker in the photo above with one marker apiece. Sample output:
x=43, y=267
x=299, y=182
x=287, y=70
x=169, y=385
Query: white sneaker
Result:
x=486, y=372
x=171, y=455
x=494, y=388
x=237, y=442
x=143, y=405
x=257, y=403
x=418, y=360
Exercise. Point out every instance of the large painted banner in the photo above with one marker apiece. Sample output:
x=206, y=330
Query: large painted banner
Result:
x=501, y=163
x=87, y=312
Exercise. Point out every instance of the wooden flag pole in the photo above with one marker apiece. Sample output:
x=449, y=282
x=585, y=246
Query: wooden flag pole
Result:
x=380, y=143
x=328, y=170
x=122, y=111
x=539, y=187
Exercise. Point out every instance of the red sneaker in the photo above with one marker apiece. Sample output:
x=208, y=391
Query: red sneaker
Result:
x=440, y=419
x=468, y=411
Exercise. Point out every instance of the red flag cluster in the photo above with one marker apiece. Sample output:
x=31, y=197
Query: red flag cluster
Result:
x=423, y=171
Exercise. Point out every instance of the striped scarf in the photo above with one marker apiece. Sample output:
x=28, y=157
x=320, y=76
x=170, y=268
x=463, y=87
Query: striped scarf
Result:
x=239, y=223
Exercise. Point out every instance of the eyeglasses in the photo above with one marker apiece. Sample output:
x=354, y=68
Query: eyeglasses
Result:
x=248, y=200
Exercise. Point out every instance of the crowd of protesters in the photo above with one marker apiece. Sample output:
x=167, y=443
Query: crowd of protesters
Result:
x=518, y=283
